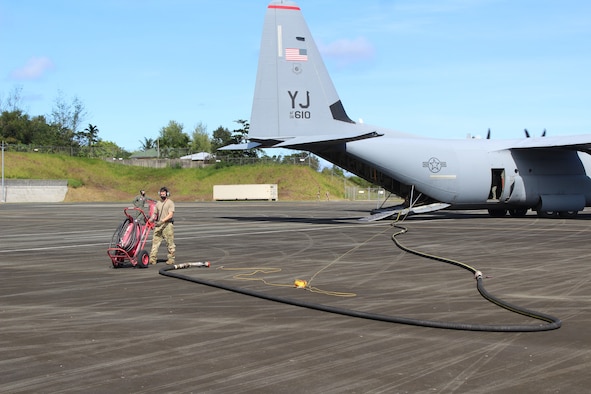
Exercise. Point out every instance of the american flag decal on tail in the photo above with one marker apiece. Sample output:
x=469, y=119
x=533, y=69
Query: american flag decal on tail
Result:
x=296, y=54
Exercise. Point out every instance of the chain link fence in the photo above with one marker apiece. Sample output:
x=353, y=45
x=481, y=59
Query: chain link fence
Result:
x=355, y=193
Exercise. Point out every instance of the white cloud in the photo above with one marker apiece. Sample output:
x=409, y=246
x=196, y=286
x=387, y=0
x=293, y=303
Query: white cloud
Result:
x=347, y=51
x=35, y=68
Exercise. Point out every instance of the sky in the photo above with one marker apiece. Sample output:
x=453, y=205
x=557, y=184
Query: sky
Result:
x=435, y=68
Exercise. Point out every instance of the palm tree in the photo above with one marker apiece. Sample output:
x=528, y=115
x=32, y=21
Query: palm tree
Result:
x=148, y=143
x=91, y=134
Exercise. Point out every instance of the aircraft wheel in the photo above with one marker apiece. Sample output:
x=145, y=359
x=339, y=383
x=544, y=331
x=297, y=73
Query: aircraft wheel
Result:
x=547, y=214
x=144, y=259
x=497, y=213
x=518, y=212
x=568, y=214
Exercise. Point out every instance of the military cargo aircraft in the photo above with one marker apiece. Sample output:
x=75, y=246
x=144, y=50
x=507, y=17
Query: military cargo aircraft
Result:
x=296, y=106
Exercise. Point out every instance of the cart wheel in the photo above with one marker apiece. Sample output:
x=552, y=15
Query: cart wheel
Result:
x=144, y=259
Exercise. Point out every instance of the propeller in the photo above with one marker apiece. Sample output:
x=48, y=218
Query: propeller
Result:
x=526, y=133
x=488, y=135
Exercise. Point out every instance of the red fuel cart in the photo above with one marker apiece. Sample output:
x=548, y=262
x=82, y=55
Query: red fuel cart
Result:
x=127, y=244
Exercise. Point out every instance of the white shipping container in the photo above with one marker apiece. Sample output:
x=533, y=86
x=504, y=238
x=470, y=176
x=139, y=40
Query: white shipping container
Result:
x=245, y=192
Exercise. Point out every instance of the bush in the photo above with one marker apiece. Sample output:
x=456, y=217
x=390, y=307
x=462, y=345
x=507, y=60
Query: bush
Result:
x=75, y=183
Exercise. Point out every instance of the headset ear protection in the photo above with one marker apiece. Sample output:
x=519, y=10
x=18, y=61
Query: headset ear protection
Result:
x=164, y=189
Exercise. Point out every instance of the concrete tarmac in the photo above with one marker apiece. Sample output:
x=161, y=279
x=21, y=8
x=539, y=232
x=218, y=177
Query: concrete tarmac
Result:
x=70, y=322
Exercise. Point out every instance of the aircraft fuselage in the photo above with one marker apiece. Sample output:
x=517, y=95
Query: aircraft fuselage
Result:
x=474, y=173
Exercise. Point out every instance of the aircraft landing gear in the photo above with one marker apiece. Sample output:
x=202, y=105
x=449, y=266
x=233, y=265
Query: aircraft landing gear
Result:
x=568, y=214
x=497, y=213
x=518, y=212
x=513, y=212
x=556, y=214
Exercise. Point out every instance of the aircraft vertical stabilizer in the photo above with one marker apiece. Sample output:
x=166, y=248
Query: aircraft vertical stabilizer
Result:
x=294, y=95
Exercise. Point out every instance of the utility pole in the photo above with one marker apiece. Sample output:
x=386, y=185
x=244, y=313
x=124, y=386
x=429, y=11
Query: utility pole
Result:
x=3, y=190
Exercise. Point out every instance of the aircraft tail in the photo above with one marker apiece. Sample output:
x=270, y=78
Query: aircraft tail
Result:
x=295, y=103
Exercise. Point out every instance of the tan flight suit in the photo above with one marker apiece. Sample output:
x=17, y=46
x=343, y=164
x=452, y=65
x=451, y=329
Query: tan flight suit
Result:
x=165, y=231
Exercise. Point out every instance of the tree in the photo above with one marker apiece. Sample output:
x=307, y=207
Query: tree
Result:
x=200, y=141
x=148, y=143
x=14, y=100
x=240, y=136
x=172, y=136
x=89, y=136
x=42, y=134
x=67, y=117
x=221, y=137
x=335, y=171
x=303, y=158
x=109, y=149
x=78, y=114
x=14, y=127
x=17, y=127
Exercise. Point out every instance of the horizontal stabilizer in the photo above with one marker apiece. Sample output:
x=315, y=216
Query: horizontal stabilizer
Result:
x=245, y=146
x=325, y=139
x=400, y=210
x=302, y=141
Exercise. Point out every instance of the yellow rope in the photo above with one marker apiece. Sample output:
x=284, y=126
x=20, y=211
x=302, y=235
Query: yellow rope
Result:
x=252, y=271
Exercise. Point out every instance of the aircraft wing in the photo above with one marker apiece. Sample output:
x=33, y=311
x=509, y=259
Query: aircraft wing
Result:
x=574, y=142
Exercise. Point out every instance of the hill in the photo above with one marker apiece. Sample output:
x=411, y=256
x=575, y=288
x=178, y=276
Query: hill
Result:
x=96, y=180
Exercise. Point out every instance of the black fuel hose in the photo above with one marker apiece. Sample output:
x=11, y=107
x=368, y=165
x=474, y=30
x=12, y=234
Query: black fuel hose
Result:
x=127, y=235
x=116, y=238
x=552, y=322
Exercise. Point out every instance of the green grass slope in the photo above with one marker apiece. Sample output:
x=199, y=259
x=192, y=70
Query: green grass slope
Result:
x=95, y=180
